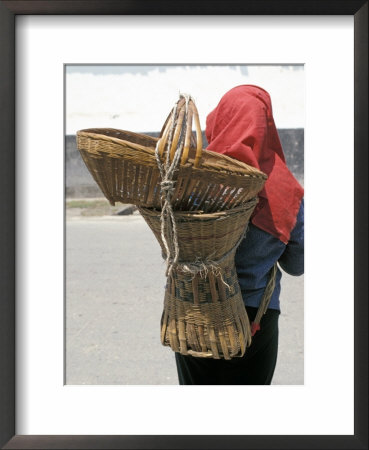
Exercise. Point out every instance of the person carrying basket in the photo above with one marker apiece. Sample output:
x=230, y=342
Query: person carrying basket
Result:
x=242, y=127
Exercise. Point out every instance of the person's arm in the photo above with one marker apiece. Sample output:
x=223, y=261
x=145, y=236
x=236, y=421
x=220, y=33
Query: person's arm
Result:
x=292, y=259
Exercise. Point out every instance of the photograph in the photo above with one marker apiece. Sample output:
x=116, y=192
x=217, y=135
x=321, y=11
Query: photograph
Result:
x=118, y=329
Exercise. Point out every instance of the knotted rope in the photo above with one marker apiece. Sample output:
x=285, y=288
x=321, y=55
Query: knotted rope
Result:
x=167, y=186
x=203, y=267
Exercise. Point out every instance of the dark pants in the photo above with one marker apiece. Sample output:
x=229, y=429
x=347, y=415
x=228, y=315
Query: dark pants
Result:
x=254, y=368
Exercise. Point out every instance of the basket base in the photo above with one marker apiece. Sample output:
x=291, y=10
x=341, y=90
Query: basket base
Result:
x=219, y=330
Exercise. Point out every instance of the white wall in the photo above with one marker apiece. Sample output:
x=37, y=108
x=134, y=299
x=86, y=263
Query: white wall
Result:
x=138, y=98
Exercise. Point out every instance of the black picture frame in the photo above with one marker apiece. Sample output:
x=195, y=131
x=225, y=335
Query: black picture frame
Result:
x=8, y=11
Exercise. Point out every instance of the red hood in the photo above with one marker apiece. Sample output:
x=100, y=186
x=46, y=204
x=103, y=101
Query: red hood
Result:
x=242, y=127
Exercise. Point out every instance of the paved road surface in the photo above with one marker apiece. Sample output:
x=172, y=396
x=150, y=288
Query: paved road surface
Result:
x=114, y=294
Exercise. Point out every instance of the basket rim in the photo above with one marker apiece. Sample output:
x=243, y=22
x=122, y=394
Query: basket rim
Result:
x=200, y=215
x=208, y=156
x=123, y=142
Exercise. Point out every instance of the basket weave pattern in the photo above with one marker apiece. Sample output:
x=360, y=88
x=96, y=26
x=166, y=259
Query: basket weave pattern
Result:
x=204, y=236
x=201, y=318
x=123, y=165
x=204, y=314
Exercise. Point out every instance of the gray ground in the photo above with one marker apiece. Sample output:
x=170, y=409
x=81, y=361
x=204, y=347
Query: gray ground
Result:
x=114, y=293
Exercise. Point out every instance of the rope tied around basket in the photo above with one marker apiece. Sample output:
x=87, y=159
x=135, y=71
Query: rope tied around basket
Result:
x=176, y=140
x=203, y=267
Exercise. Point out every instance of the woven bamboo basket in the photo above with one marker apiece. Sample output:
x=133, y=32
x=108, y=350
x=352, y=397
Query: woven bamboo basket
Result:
x=125, y=166
x=204, y=314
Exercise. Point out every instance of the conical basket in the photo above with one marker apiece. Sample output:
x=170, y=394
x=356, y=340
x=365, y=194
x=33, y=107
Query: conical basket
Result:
x=204, y=314
x=125, y=167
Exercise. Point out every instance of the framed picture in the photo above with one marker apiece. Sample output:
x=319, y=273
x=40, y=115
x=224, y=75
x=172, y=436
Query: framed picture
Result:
x=39, y=40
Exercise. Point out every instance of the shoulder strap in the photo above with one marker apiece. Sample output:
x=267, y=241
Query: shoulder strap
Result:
x=255, y=325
